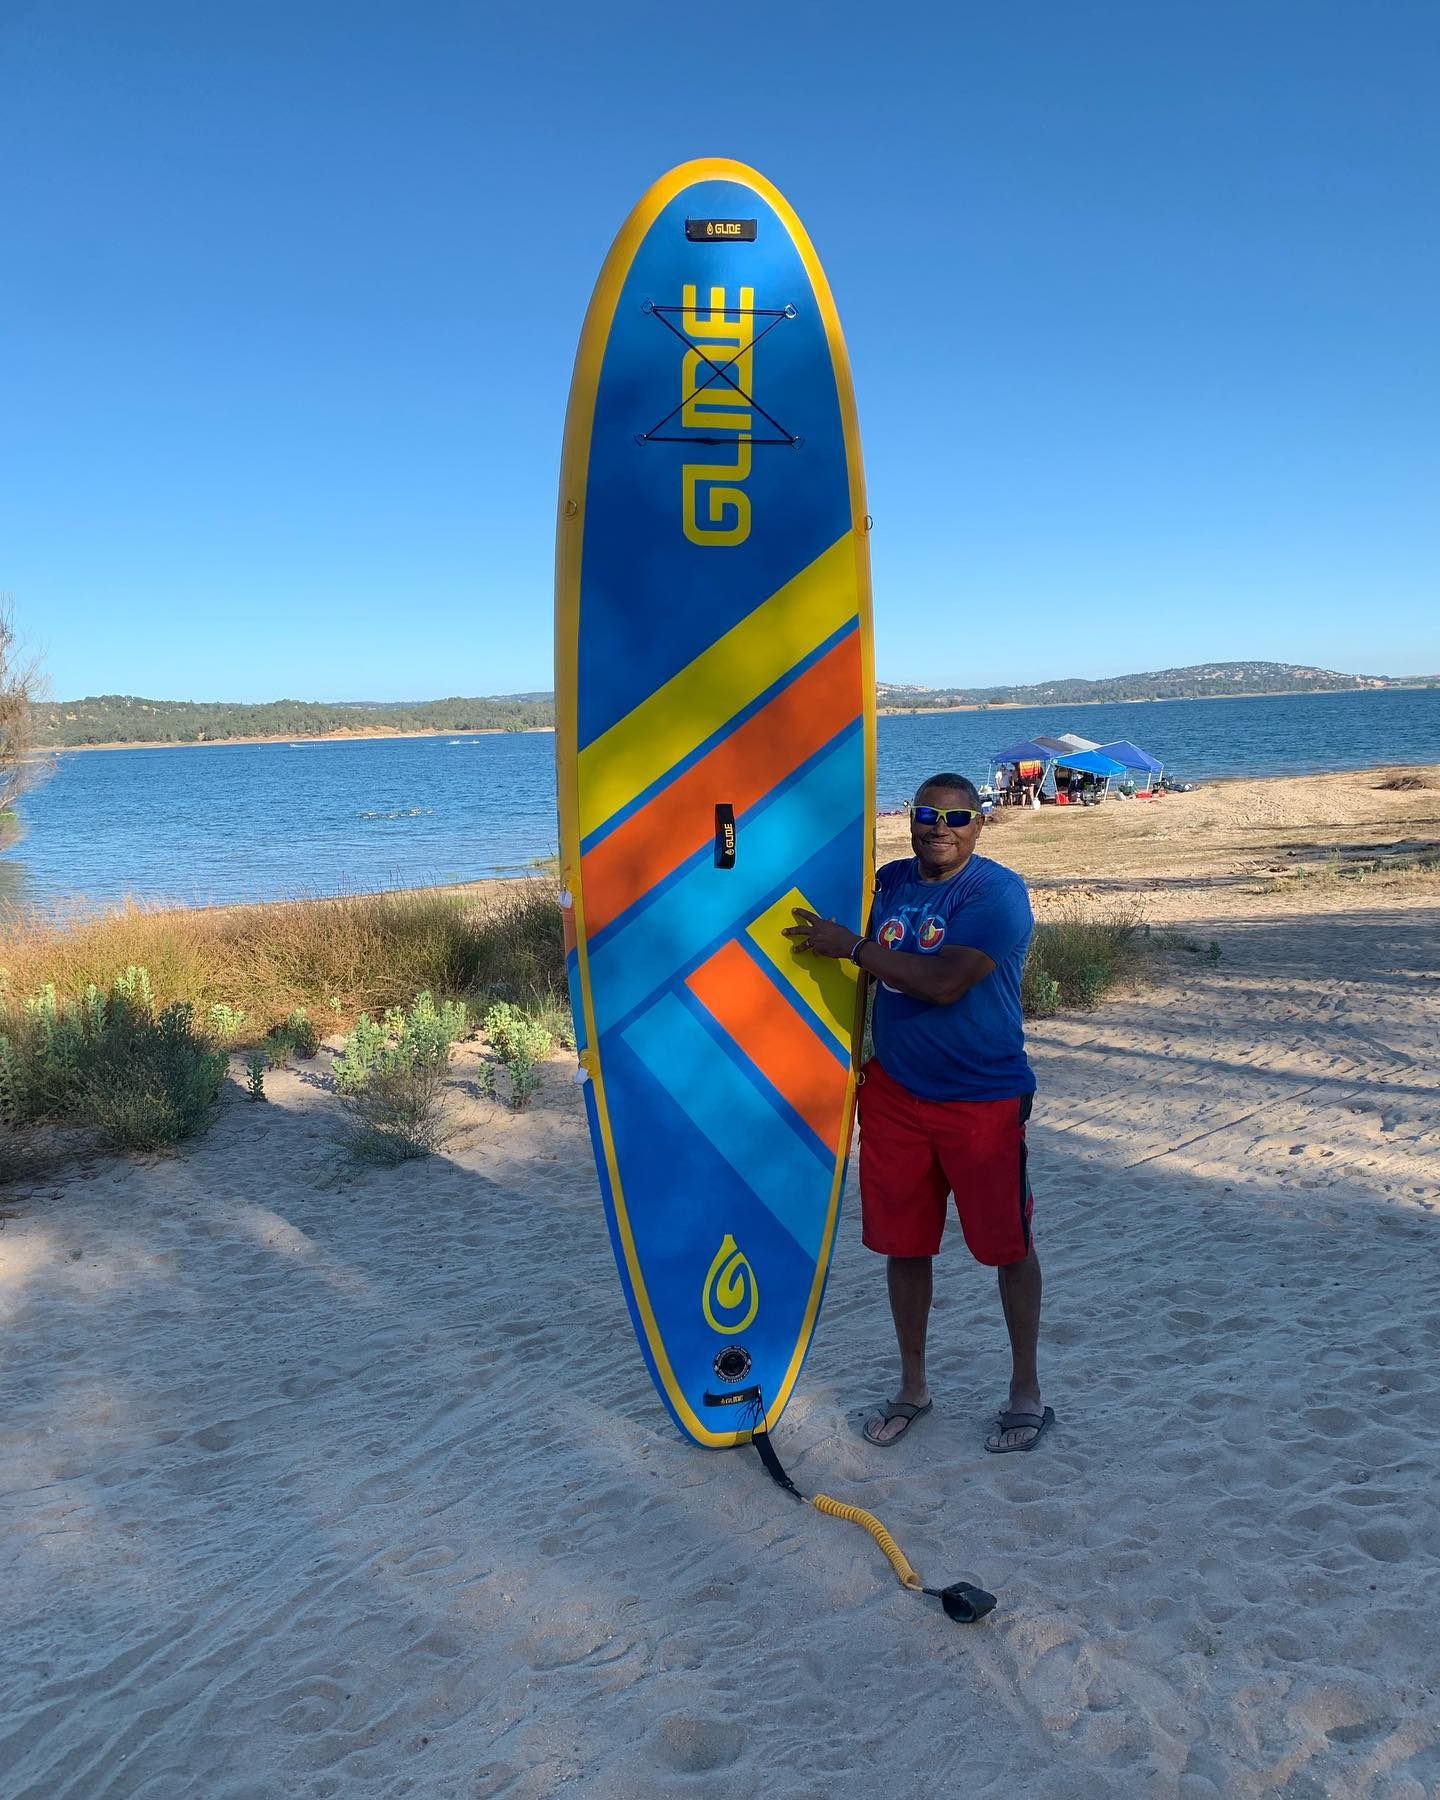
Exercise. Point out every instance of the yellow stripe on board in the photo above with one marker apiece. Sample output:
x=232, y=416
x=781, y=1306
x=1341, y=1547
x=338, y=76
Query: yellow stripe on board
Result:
x=825, y=984
x=697, y=701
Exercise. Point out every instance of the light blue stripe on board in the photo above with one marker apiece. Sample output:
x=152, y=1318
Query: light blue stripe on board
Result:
x=649, y=952
x=735, y=1117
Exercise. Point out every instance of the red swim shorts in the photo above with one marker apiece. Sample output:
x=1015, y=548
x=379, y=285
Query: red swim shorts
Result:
x=915, y=1153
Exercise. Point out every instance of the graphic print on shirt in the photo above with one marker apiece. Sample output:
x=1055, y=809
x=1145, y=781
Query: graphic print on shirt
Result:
x=913, y=922
x=925, y=931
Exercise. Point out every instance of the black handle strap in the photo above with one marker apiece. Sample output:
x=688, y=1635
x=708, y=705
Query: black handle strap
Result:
x=774, y=1468
x=724, y=835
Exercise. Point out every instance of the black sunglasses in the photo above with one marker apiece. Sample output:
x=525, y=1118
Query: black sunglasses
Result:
x=957, y=817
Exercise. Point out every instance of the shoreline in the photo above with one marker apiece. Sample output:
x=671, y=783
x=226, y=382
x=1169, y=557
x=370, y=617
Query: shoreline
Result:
x=376, y=734
x=1237, y=794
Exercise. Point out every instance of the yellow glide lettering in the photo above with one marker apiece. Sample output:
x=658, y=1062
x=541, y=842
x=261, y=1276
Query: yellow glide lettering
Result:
x=728, y=343
x=732, y=1296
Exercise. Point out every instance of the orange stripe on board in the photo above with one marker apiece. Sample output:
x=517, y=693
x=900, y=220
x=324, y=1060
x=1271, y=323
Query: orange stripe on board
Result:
x=741, y=769
x=738, y=993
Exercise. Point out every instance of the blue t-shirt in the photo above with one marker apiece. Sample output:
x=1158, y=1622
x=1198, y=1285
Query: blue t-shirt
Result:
x=973, y=1049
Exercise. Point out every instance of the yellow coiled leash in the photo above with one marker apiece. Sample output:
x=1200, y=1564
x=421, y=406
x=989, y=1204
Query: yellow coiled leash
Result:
x=898, y=1560
x=961, y=1601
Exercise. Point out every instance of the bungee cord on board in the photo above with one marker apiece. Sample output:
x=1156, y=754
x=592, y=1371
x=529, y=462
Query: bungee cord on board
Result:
x=961, y=1601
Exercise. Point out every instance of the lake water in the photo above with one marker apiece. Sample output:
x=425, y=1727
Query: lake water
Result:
x=230, y=822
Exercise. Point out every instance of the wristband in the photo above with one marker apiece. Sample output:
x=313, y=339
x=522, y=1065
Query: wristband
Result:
x=855, y=950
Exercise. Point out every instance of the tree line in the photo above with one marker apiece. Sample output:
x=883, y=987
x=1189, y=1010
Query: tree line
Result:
x=1198, y=681
x=130, y=719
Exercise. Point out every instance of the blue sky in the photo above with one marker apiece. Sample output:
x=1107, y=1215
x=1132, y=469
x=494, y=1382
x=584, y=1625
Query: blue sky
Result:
x=1141, y=300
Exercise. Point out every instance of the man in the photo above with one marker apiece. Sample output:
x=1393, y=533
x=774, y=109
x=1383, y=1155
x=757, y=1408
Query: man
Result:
x=946, y=1095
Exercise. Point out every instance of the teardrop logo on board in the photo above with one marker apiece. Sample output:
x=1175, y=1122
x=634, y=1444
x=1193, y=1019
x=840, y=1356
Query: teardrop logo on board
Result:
x=732, y=1294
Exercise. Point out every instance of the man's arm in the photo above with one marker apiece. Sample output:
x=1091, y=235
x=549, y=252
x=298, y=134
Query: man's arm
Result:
x=941, y=979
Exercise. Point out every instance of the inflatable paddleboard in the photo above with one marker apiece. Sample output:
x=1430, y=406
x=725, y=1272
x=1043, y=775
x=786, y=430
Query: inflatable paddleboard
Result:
x=715, y=742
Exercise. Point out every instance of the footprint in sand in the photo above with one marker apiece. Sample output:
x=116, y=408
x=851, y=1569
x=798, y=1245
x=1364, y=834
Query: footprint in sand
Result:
x=1385, y=1543
x=1360, y=1730
x=1331, y=1421
x=217, y=1437
x=695, y=1746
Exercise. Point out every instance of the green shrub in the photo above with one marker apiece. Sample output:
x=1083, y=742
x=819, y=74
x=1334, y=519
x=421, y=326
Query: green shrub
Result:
x=556, y=1020
x=357, y=1057
x=519, y=1042
x=14, y=1086
x=300, y=1029
x=1090, y=985
x=142, y=1079
x=150, y=1080
x=1081, y=955
x=398, y=1112
x=225, y=1022
x=421, y=1038
x=430, y=1032
x=1039, y=992
x=277, y=1047
x=255, y=1074
x=525, y=1080
x=134, y=986
x=51, y=1042
x=514, y=1034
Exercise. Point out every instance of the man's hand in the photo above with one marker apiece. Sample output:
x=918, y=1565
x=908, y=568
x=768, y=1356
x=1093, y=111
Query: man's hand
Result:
x=822, y=937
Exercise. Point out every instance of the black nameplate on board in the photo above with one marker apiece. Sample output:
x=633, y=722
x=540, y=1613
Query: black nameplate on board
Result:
x=724, y=835
x=726, y=231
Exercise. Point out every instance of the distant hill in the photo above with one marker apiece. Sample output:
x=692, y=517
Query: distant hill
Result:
x=1200, y=681
x=127, y=719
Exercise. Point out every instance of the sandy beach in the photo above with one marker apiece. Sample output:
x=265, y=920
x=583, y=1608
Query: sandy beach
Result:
x=324, y=1480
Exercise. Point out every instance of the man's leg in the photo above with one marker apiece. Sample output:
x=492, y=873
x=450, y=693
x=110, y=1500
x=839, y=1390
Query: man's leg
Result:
x=910, y=1280
x=903, y=1195
x=1020, y=1302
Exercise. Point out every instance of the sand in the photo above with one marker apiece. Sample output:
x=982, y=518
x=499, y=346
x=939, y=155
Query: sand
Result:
x=323, y=1480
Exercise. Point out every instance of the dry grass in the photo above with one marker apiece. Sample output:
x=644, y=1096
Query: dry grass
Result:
x=398, y=1114
x=1076, y=955
x=335, y=958
x=1396, y=872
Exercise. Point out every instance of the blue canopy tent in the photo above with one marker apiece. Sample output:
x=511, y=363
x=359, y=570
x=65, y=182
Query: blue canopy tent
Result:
x=1071, y=772
x=1092, y=762
x=1138, y=761
x=1025, y=751
x=1017, y=785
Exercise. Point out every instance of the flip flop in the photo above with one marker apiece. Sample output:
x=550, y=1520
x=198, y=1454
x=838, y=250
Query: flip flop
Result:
x=1018, y=1421
x=894, y=1409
